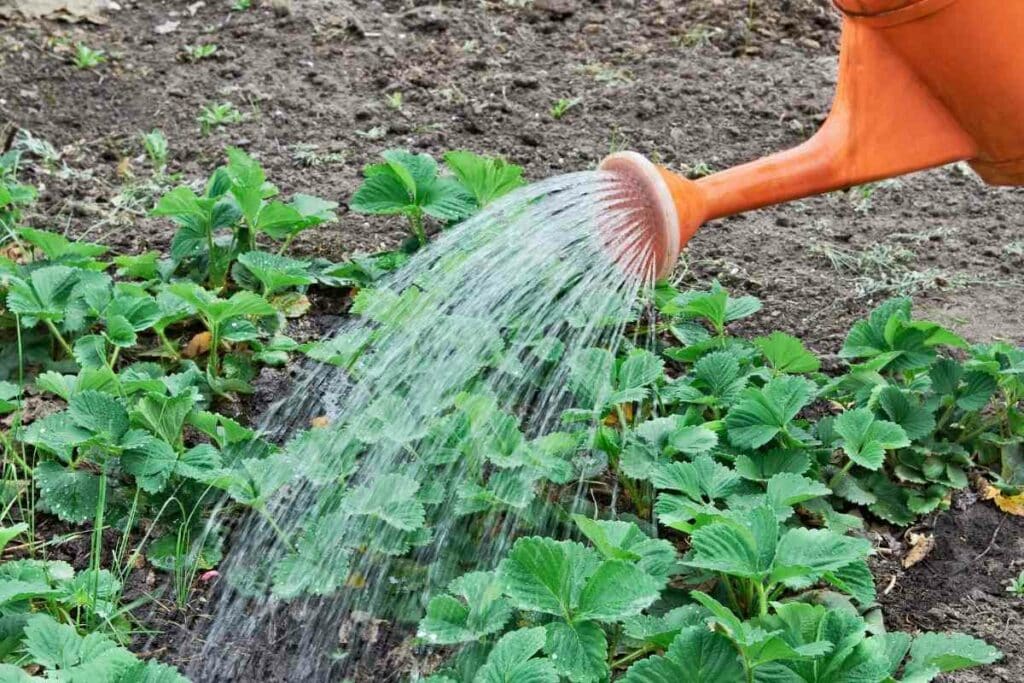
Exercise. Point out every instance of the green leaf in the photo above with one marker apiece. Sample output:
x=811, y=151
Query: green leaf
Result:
x=866, y=438
x=617, y=540
x=150, y=460
x=811, y=552
x=9, y=533
x=904, y=409
x=762, y=414
x=512, y=659
x=318, y=568
x=90, y=351
x=71, y=657
x=43, y=295
x=481, y=612
x=616, y=590
x=578, y=650
x=763, y=466
x=787, y=354
x=99, y=413
x=854, y=579
x=692, y=440
x=702, y=478
x=391, y=498
x=639, y=369
x=382, y=194
x=486, y=178
x=447, y=200
x=247, y=184
x=661, y=631
x=787, y=490
x=935, y=653
x=544, y=575
x=276, y=272
x=743, y=548
x=977, y=391
x=165, y=415
x=697, y=655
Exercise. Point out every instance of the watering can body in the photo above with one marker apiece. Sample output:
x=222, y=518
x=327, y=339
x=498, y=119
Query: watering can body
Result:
x=922, y=83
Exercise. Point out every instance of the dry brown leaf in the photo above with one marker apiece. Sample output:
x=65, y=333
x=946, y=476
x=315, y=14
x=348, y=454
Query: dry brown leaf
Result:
x=320, y=421
x=612, y=419
x=124, y=168
x=197, y=345
x=1011, y=505
x=920, y=546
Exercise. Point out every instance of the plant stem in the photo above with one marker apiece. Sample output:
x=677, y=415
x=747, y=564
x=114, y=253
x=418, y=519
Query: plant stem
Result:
x=838, y=476
x=416, y=221
x=633, y=656
x=762, y=599
x=59, y=337
x=96, y=548
x=278, y=531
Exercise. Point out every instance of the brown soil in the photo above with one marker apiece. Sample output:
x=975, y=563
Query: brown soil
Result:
x=688, y=83
x=961, y=586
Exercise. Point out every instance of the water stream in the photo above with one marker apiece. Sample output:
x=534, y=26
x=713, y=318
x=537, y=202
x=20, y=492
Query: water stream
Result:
x=443, y=434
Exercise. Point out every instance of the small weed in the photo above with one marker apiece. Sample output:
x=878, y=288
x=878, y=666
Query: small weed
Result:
x=375, y=133
x=885, y=269
x=308, y=154
x=607, y=73
x=394, y=100
x=194, y=53
x=699, y=169
x=698, y=36
x=87, y=58
x=241, y=5
x=216, y=115
x=1015, y=248
x=1017, y=585
x=562, y=106
x=155, y=145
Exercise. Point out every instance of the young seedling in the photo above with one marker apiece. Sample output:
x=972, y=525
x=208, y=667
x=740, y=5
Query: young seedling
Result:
x=155, y=145
x=408, y=184
x=394, y=100
x=1017, y=585
x=241, y=5
x=87, y=58
x=217, y=115
x=562, y=106
x=195, y=53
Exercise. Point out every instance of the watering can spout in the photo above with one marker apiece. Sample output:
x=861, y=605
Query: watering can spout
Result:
x=922, y=83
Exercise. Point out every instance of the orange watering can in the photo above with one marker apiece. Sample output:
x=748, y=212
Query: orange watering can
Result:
x=921, y=83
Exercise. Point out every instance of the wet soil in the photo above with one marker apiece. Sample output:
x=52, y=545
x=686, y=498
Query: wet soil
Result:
x=697, y=85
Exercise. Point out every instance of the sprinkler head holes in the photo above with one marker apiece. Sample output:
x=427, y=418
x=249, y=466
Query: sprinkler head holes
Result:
x=644, y=195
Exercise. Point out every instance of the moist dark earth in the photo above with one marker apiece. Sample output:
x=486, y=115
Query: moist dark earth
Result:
x=696, y=85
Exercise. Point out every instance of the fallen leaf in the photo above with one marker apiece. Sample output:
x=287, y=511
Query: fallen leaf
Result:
x=197, y=345
x=612, y=419
x=319, y=422
x=291, y=304
x=920, y=546
x=194, y=7
x=1011, y=505
x=124, y=168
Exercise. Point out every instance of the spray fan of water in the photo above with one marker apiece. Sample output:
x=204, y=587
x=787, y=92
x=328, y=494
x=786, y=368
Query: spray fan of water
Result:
x=444, y=413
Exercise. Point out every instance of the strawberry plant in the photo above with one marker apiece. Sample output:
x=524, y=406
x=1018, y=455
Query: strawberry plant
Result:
x=410, y=185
